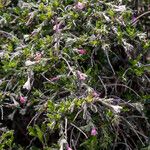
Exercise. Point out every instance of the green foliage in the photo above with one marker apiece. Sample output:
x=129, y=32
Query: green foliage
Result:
x=67, y=67
x=6, y=140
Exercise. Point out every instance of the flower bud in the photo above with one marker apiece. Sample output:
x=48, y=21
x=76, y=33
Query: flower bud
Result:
x=94, y=132
x=22, y=100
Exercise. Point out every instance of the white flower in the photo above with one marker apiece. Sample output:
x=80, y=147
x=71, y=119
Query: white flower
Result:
x=141, y=36
x=120, y=8
x=29, y=63
x=116, y=108
x=1, y=54
x=106, y=17
x=27, y=85
x=127, y=46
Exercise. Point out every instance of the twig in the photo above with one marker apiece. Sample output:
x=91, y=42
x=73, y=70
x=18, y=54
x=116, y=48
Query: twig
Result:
x=70, y=68
x=6, y=34
x=133, y=129
x=72, y=141
x=137, y=19
x=76, y=142
x=79, y=130
x=66, y=123
x=126, y=87
x=103, y=86
x=106, y=52
x=71, y=134
x=77, y=115
x=35, y=116
x=2, y=112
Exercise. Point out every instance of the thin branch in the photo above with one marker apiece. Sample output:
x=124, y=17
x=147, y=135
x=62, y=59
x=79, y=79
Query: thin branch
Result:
x=103, y=86
x=79, y=130
x=137, y=19
x=126, y=87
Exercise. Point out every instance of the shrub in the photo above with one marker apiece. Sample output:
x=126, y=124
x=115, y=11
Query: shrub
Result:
x=73, y=75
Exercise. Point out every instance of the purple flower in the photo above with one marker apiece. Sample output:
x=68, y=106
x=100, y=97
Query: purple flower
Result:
x=94, y=132
x=133, y=18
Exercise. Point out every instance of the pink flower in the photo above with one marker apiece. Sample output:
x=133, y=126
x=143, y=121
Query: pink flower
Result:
x=95, y=94
x=22, y=100
x=94, y=132
x=80, y=6
x=54, y=79
x=81, y=75
x=69, y=148
x=82, y=51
